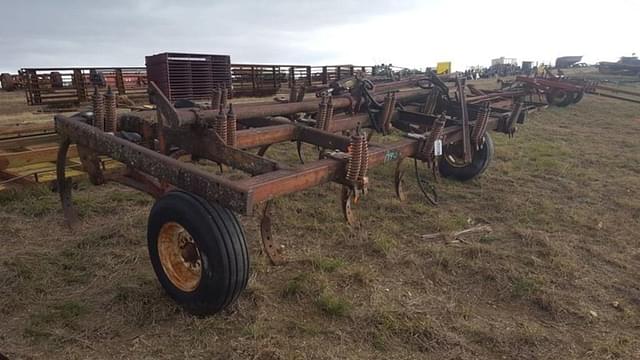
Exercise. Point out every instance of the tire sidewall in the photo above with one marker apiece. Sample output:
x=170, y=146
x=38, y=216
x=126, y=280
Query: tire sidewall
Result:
x=569, y=97
x=578, y=96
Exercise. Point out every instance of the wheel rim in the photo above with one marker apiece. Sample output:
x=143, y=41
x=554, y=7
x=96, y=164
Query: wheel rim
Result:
x=454, y=155
x=454, y=160
x=559, y=96
x=179, y=256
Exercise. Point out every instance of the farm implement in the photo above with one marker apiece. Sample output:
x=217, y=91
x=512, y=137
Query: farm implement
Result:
x=196, y=244
x=562, y=91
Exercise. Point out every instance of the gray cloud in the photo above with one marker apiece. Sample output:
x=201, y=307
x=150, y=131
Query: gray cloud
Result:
x=120, y=33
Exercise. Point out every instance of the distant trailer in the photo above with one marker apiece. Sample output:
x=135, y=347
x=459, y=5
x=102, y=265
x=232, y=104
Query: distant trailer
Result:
x=504, y=61
x=566, y=61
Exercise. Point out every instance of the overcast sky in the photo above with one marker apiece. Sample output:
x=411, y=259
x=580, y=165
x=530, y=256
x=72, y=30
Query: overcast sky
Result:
x=409, y=33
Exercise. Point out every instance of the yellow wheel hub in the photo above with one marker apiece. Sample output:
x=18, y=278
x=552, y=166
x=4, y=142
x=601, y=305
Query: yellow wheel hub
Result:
x=179, y=256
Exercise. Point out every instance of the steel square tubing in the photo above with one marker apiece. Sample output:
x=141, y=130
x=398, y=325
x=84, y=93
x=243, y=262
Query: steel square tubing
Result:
x=282, y=182
x=272, y=134
x=240, y=196
x=213, y=188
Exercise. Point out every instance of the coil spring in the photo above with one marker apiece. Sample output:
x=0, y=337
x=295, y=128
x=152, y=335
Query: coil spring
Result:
x=322, y=113
x=480, y=127
x=110, y=112
x=329, y=116
x=355, y=161
x=231, y=126
x=97, y=102
x=216, y=97
x=221, y=125
x=434, y=134
x=364, y=159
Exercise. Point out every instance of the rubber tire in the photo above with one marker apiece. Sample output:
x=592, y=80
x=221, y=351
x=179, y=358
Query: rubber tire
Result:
x=221, y=242
x=479, y=163
x=577, y=96
x=551, y=99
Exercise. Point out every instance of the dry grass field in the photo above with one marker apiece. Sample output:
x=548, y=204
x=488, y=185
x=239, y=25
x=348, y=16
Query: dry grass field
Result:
x=557, y=278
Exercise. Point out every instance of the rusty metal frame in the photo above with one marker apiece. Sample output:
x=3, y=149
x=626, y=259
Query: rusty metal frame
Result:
x=156, y=169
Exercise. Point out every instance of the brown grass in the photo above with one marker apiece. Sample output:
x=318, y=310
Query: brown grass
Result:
x=15, y=110
x=562, y=199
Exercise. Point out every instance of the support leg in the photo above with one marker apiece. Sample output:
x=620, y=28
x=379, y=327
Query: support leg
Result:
x=263, y=149
x=91, y=164
x=65, y=184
